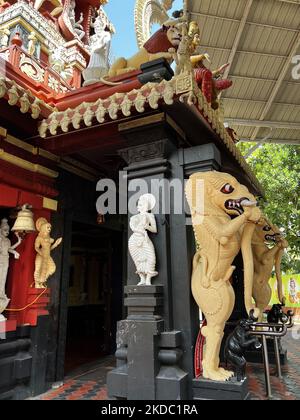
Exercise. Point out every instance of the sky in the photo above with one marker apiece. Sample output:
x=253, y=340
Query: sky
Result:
x=121, y=14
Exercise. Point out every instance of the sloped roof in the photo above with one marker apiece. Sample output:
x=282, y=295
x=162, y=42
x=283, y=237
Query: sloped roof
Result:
x=259, y=38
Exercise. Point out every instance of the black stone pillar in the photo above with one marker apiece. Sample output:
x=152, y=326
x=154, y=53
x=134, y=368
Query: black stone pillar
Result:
x=150, y=163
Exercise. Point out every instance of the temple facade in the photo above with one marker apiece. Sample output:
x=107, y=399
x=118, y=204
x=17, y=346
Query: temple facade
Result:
x=67, y=121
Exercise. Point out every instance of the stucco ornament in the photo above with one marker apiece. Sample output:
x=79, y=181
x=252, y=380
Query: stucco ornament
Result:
x=44, y=265
x=78, y=28
x=32, y=43
x=4, y=37
x=5, y=249
x=58, y=63
x=268, y=246
x=141, y=247
x=214, y=198
x=100, y=46
x=147, y=13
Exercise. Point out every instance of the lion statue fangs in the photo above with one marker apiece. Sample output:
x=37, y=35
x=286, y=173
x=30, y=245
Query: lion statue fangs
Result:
x=168, y=37
x=220, y=240
x=265, y=258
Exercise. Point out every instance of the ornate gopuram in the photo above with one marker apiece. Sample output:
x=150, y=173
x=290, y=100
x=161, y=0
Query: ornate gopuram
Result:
x=72, y=121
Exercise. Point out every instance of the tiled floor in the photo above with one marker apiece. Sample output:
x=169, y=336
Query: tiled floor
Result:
x=89, y=383
x=86, y=383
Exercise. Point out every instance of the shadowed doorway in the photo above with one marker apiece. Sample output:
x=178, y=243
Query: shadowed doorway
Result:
x=94, y=294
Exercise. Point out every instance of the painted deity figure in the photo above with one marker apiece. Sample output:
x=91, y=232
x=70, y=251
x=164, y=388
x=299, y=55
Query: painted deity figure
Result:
x=294, y=295
x=44, y=265
x=141, y=247
x=5, y=249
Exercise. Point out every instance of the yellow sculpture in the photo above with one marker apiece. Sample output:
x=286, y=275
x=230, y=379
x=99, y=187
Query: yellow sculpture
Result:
x=264, y=260
x=213, y=197
x=157, y=46
x=44, y=265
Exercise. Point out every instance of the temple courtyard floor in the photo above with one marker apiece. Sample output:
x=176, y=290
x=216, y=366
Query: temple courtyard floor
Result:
x=89, y=382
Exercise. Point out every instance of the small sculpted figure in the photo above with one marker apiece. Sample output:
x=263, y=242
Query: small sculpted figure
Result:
x=44, y=265
x=141, y=247
x=5, y=249
x=4, y=37
x=236, y=345
x=32, y=43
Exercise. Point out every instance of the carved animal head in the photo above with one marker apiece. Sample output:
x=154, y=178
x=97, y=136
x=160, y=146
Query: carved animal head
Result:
x=217, y=190
x=165, y=38
x=266, y=232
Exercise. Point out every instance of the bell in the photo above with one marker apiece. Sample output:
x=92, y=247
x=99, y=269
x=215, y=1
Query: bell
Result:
x=24, y=223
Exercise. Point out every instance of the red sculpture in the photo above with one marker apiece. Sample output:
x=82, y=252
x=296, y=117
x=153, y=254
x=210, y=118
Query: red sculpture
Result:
x=210, y=82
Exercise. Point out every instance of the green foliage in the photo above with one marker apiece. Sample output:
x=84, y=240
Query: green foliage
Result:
x=277, y=167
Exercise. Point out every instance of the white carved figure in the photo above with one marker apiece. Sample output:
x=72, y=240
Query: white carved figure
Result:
x=100, y=45
x=71, y=13
x=4, y=37
x=141, y=247
x=5, y=249
x=78, y=28
x=58, y=63
x=32, y=43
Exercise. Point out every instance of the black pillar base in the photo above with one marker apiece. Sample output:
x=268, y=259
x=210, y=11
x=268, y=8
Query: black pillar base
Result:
x=147, y=358
x=204, y=389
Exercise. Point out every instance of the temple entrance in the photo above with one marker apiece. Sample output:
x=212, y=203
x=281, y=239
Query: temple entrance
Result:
x=94, y=294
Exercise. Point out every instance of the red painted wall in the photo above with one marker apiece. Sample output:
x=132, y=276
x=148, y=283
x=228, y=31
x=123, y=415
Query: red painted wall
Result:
x=21, y=272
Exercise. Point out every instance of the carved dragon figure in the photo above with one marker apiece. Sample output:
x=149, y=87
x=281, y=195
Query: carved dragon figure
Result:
x=220, y=239
x=264, y=260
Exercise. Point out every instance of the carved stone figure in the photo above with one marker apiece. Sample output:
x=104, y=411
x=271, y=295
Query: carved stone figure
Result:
x=141, y=247
x=168, y=37
x=236, y=345
x=4, y=37
x=32, y=43
x=58, y=63
x=213, y=198
x=71, y=13
x=44, y=265
x=264, y=260
x=5, y=249
x=78, y=28
x=100, y=44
